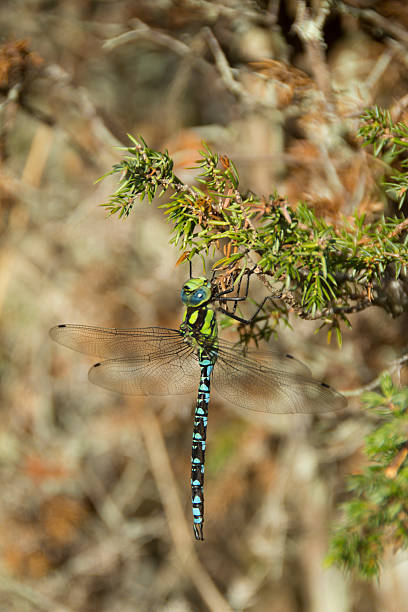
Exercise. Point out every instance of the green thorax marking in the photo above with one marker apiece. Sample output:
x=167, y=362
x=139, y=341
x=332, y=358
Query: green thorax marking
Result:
x=199, y=324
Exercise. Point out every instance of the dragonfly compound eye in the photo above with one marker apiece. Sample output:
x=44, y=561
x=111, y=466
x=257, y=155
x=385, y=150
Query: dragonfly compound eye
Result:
x=200, y=296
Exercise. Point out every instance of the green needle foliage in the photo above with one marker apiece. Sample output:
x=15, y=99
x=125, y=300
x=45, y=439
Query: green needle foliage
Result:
x=375, y=520
x=390, y=143
x=308, y=265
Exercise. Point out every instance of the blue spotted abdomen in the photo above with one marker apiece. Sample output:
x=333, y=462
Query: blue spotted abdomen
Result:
x=198, y=448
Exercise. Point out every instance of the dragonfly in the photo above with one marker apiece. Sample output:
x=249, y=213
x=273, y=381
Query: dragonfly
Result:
x=158, y=361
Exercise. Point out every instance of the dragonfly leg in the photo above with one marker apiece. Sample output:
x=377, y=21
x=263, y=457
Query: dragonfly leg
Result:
x=223, y=299
x=241, y=319
x=221, y=296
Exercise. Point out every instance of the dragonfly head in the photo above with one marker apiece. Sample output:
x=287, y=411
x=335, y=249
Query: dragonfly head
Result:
x=196, y=292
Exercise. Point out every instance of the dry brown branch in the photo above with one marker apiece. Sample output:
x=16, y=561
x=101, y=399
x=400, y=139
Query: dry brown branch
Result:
x=377, y=20
x=142, y=31
x=310, y=30
x=224, y=69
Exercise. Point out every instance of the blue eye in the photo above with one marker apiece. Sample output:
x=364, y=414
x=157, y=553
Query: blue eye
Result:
x=195, y=297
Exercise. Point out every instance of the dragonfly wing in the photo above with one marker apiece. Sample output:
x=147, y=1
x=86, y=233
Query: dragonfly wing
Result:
x=276, y=360
x=109, y=343
x=171, y=375
x=251, y=384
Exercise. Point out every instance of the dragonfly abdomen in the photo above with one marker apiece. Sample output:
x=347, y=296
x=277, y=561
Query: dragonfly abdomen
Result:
x=198, y=447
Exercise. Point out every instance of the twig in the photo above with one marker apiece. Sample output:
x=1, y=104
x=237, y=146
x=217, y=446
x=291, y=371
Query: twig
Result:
x=226, y=73
x=225, y=70
x=398, y=229
x=142, y=30
x=310, y=30
x=376, y=19
x=395, y=365
x=38, y=155
x=378, y=70
x=392, y=470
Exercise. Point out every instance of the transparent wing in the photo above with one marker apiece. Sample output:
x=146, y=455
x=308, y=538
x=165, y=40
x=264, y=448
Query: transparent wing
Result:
x=157, y=361
x=151, y=360
x=271, y=382
x=174, y=375
x=273, y=359
x=109, y=343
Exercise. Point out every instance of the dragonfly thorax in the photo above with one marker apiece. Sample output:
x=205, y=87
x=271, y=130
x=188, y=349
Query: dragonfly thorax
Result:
x=199, y=325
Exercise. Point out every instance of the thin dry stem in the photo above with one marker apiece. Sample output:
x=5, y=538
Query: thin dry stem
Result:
x=394, y=365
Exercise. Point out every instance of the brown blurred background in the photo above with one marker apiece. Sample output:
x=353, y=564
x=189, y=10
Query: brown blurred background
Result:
x=95, y=505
